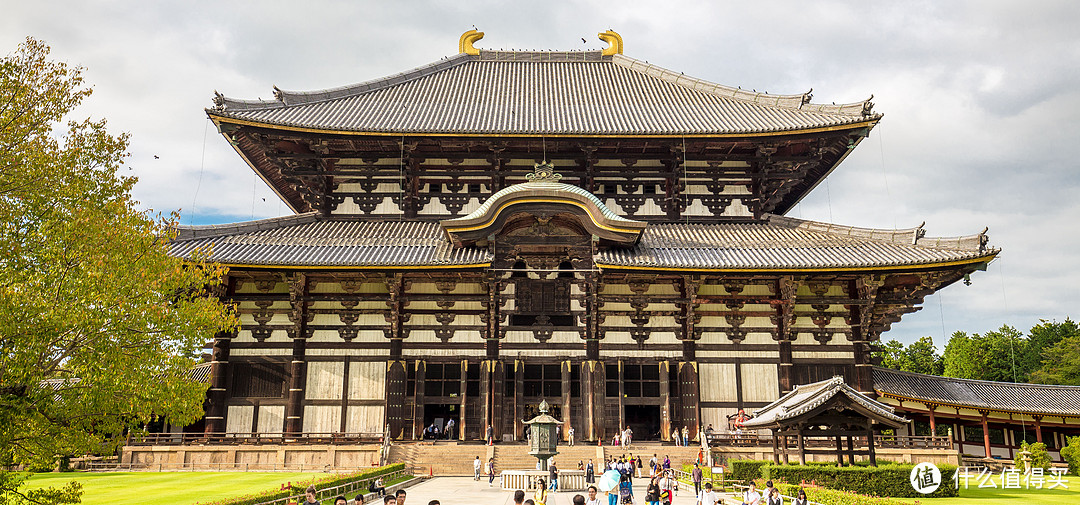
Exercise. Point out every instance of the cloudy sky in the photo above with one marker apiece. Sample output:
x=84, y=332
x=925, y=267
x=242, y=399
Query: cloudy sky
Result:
x=981, y=102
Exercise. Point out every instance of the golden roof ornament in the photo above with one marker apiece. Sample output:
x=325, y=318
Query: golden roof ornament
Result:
x=614, y=40
x=465, y=43
x=543, y=172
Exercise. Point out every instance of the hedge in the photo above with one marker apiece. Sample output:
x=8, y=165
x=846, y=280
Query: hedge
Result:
x=836, y=497
x=745, y=469
x=890, y=479
x=321, y=483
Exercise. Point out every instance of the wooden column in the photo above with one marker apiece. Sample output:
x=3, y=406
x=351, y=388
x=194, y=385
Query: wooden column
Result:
x=564, y=369
x=986, y=433
x=839, y=451
x=622, y=394
x=802, y=445
x=418, y=399
x=519, y=400
x=784, y=447
x=496, y=395
x=785, y=289
x=396, y=382
x=850, y=448
x=300, y=317
x=933, y=421
x=776, y=447
x=870, y=442
x=665, y=400
x=1038, y=427
x=216, y=396
x=396, y=374
x=688, y=387
x=463, y=396
x=593, y=398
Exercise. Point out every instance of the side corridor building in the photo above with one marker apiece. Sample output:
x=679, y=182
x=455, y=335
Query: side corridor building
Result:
x=499, y=228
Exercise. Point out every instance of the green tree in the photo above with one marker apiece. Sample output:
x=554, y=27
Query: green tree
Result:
x=1060, y=364
x=1071, y=453
x=890, y=354
x=992, y=356
x=98, y=325
x=1041, y=338
x=920, y=356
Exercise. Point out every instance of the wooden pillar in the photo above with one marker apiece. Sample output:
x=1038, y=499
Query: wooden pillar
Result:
x=463, y=395
x=592, y=400
x=396, y=373
x=396, y=382
x=839, y=452
x=870, y=442
x=986, y=433
x=622, y=394
x=850, y=448
x=418, y=398
x=776, y=446
x=519, y=399
x=216, y=396
x=933, y=422
x=688, y=389
x=665, y=400
x=1038, y=427
x=567, y=421
x=784, y=445
x=294, y=406
x=785, y=289
x=802, y=445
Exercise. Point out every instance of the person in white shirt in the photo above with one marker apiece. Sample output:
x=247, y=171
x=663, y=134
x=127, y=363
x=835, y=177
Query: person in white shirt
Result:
x=477, y=466
x=751, y=496
x=592, y=498
x=707, y=496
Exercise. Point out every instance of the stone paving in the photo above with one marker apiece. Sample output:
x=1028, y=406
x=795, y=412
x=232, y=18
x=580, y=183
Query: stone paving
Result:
x=465, y=491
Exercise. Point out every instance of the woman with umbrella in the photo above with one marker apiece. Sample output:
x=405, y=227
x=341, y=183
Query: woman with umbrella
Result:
x=609, y=483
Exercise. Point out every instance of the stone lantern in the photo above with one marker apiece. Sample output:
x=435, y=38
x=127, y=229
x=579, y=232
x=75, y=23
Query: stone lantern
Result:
x=542, y=440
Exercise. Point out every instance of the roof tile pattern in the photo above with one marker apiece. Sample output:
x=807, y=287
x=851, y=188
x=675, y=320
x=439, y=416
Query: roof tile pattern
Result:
x=804, y=399
x=999, y=396
x=568, y=93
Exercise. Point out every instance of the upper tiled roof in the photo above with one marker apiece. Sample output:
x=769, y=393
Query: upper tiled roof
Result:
x=303, y=240
x=550, y=93
x=975, y=394
x=779, y=243
x=804, y=399
x=786, y=243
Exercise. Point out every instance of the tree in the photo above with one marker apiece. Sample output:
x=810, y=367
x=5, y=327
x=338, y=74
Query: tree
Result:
x=920, y=356
x=1060, y=364
x=992, y=356
x=890, y=354
x=1041, y=338
x=98, y=325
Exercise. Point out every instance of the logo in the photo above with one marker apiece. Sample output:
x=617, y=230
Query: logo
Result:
x=925, y=478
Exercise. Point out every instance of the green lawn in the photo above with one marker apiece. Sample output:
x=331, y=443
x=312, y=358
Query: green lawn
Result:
x=167, y=488
x=973, y=495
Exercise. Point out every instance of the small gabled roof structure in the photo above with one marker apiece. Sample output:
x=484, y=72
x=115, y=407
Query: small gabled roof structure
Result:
x=806, y=402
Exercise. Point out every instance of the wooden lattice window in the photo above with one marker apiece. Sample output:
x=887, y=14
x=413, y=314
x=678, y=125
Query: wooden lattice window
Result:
x=258, y=380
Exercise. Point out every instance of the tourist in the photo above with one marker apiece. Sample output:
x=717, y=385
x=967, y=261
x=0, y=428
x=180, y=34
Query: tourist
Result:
x=676, y=437
x=400, y=495
x=540, y=495
x=667, y=488
x=477, y=467
x=450, y=429
x=553, y=474
x=629, y=436
x=359, y=500
x=626, y=490
x=685, y=436
x=578, y=500
x=489, y=434
x=709, y=429
x=639, y=466
x=529, y=502
x=667, y=462
x=695, y=476
x=800, y=499
x=592, y=499
x=491, y=471
x=309, y=497
x=389, y=500
x=570, y=435
x=341, y=500
x=774, y=497
x=581, y=465
x=377, y=487
x=434, y=502
x=652, y=466
x=652, y=492
x=768, y=489
x=519, y=497
x=558, y=434
x=590, y=473
x=751, y=496
x=615, y=440
x=613, y=496
x=708, y=497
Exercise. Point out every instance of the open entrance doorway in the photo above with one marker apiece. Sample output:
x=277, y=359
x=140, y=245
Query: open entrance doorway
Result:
x=644, y=420
x=438, y=414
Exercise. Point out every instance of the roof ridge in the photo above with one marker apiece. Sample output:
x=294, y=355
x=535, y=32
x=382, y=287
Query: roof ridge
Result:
x=976, y=381
x=192, y=232
x=905, y=236
x=801, y=101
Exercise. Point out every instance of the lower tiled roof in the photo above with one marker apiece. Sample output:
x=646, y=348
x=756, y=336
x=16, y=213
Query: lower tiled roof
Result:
x=805, y=398
x=776, y=243
x=976, y=394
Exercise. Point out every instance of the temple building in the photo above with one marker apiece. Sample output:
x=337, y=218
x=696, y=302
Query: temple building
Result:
x=499, y=228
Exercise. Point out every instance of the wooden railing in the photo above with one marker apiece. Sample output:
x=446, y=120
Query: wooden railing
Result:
x=254, y=438
x=880, y=441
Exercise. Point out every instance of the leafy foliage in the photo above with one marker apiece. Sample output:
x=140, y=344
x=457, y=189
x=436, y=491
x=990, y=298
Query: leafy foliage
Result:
x=322, y=484
x=745, y=469
x=920, y=356
x=98, y=325
x=1060, y=364
x=833, y=496
x=1071, y=453
x=884, y=480
x=1040, y=458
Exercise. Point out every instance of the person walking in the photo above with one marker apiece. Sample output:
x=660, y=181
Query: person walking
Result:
x=800, y=499
x=450, y=429
x=707, y=496
x=592, y=499
x=477, y=467
x=491, y=471
x=667, y=488
x=695, y=475
x=667, y=463
x=774, y=497
x=570, y=435
x=626, y=490
x=652, y=492
x=541, y=493
x=685, y=436
x=676, y=437
x=309, y=496
x=751, y=496
x=553, y=475
x=590, y=473
x=489, y=434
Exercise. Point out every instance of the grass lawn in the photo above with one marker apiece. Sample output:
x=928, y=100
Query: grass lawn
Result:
x=166, y=488
x=973, y=495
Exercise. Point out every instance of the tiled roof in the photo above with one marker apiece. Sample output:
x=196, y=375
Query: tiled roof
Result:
x=975, y=394
x=804, y=399
x=303, y=240
x=787, y=243
x=778, y=243
x=553, y=93
x=545, y=187
x=200, y=373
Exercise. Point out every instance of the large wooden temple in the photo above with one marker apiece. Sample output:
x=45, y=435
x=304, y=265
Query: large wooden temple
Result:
x=499, y=228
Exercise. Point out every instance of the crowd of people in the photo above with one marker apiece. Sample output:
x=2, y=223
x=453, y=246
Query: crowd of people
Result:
x=376, y=491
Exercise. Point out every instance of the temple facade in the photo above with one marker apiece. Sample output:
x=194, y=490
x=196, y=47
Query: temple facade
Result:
x=500, y=228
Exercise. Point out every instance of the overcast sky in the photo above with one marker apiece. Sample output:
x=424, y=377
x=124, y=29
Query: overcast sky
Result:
x=981, y=102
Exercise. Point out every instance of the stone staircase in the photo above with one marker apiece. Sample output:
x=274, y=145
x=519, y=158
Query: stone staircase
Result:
x=441, y=459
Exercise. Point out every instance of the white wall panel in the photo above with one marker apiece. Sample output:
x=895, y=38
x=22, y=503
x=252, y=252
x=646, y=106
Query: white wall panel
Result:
x=324, y=380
